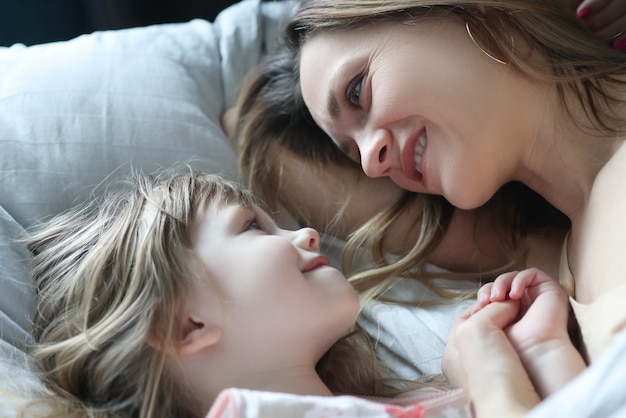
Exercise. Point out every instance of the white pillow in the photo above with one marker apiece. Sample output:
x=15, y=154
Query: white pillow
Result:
x=17, y=294
x=72, y=113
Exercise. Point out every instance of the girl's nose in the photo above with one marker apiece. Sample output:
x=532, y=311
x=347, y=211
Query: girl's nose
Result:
x=307, y=238
x=376, y=153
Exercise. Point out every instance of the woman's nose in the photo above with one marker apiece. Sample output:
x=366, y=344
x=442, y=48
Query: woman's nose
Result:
x=375, y=152
x=307, y=238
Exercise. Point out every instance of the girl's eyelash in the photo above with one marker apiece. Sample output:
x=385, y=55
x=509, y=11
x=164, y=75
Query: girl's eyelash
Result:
x=354, y=91
x=255, y=221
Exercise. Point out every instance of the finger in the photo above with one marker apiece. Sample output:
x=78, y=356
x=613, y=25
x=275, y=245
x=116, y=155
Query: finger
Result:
x=526, y=280
x=497, y=314
x=484, y=293
x=521, y=282
x=588, y=8
x=501, y=286
x=609, y=31
x=605, y=18
x=608, y=11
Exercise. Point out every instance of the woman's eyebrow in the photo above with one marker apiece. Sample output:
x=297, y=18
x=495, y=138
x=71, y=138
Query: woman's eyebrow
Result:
x=332, y=106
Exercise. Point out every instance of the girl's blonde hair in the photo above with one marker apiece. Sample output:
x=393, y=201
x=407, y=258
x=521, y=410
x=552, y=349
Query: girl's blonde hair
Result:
x=110, y=275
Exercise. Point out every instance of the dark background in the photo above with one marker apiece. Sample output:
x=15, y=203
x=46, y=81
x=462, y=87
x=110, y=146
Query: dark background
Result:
x=40, y=21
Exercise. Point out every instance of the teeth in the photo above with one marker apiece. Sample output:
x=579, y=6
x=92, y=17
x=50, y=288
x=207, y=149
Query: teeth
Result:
x=419, y=151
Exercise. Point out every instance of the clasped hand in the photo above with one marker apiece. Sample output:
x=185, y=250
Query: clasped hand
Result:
x=512, y=347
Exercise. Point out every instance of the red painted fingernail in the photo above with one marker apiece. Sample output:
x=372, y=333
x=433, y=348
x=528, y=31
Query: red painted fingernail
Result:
x=620, y=44
x=584, y=14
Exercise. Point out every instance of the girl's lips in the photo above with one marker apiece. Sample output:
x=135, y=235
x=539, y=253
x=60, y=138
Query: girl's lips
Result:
x=408, y=156
x=319, y=261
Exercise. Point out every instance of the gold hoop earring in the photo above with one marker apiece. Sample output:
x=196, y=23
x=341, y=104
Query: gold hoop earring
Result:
x=469, y=32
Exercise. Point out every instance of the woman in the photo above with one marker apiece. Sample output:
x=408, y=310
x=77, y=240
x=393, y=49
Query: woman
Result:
x=537, y=102
x=317, y=183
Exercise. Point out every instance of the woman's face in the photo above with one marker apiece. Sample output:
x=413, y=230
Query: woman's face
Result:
x=419, y=103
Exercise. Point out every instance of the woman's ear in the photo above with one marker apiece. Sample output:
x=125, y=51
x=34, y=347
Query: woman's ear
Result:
x=197, y=335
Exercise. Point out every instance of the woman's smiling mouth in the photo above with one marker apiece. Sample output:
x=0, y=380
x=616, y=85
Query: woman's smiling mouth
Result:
x=418, y=151
x=413, y=156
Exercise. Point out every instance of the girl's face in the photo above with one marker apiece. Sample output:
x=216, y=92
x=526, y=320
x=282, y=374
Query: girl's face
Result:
x=277, y=290
x=419, y=103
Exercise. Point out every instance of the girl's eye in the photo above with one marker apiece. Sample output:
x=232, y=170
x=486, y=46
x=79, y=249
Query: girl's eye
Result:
x=353, y=93
x=255, y=224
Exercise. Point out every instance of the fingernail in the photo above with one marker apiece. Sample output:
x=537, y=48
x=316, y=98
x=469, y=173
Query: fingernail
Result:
x=584, y=14
x=620, y=44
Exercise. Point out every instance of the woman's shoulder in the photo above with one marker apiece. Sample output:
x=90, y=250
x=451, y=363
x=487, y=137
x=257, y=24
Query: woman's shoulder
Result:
x=601, y=239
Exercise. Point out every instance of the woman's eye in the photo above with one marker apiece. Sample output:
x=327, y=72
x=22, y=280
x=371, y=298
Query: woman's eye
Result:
x=353, y=93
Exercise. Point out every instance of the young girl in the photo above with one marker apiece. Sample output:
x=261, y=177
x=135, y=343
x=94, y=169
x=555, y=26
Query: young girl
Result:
x=154, y=299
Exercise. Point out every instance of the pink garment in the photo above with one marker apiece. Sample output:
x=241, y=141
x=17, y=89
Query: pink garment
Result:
x=244, y=403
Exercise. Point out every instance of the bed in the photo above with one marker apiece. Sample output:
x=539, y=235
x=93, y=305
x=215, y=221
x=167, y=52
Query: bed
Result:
x=77, y=113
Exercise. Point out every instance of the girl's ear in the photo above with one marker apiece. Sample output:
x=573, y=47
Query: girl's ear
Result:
x=197, y=335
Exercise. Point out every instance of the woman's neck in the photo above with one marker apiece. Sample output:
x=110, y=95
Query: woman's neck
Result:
x=563, y=162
